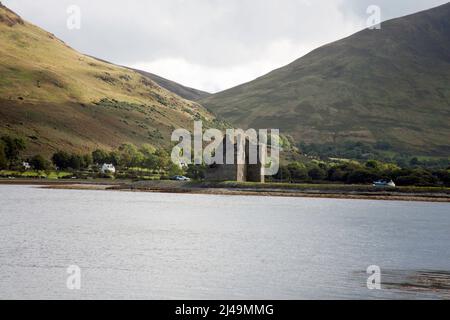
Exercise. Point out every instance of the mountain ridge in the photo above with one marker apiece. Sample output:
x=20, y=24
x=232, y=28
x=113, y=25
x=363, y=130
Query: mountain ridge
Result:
x=179, y=89
x=343, y=91
x=172, y=86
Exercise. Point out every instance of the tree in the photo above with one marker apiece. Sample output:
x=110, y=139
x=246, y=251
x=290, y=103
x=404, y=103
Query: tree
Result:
x=196, y=172
x=361, y=176
x=150, y=160
x=87, y=160
x=61, y=160
x=64, y=160
x=337, y=174
x=3, y=159
x=175, y=170
x=297, y=171
x=38, y=162
x=163, y=159
x=283, y=174
x=417, y=177
x=13, y=147
x=373, y=164
x=444, y=176
x=147, y=150
x=114, y=157
x=100, y=156
x=75, y=162
x=317, y=173
x=130, y=156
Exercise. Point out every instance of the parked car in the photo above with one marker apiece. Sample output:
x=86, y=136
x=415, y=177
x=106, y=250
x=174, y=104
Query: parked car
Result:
x=180, y=178
x=384, y=183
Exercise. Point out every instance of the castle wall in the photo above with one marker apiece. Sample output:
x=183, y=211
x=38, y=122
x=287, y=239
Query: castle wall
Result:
x=235, y=172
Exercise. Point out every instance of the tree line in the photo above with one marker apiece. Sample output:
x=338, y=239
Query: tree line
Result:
x=128, y=156
x=354, y=172
x=125, y=156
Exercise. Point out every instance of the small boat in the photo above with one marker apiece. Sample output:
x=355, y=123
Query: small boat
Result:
x=384, y=184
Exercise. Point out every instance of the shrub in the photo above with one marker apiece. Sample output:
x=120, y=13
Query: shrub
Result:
x=297, y=171
x=114, y=157
x=130, y=156
x=361, y=176
x=163, y=159
x=411, y=180
x=100, y=156
x=12, y=147
x=283, y=174
x=444, y=176
x=417, y=179
x=64, y=160
x=196, y=172
x=317, y=173
x=87, y=160
x=175, y=170
x=3, y=159
x=61, y=159
x=38, y=162
x=75, y=162
x=337, y=174
x=373, y=164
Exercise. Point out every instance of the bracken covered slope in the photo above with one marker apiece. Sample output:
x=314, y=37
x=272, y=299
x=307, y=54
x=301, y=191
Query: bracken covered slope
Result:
x=58, y=98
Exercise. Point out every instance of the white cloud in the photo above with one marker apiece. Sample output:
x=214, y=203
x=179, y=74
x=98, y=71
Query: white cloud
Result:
x=207, y=44
x=217, y=78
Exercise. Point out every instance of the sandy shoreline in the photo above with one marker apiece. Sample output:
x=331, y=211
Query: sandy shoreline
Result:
x=205, y=189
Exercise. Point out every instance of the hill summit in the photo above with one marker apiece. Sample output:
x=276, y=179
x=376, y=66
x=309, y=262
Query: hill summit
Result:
x=380, y=87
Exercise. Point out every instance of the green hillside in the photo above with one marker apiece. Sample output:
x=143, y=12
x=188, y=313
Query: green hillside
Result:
x=57, y=98
x=183, y=91
x=386, y=87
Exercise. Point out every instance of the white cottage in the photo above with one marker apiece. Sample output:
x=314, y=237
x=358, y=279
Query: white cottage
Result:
x=108, y=168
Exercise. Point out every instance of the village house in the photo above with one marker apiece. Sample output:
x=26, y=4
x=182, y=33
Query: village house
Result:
x=26, y=165
x=108, y=168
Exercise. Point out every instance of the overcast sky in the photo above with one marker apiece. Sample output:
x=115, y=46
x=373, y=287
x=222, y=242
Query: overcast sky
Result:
x=207, y=44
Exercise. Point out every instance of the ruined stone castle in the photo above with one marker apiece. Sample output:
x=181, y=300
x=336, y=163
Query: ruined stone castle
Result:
x=240, y=171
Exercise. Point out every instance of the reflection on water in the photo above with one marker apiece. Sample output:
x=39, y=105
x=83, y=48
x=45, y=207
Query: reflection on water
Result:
x=171, y=246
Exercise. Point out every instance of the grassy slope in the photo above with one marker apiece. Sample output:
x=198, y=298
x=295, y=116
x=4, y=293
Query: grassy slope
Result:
x=182, y=91
x=49, y=93
x=390, y=85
